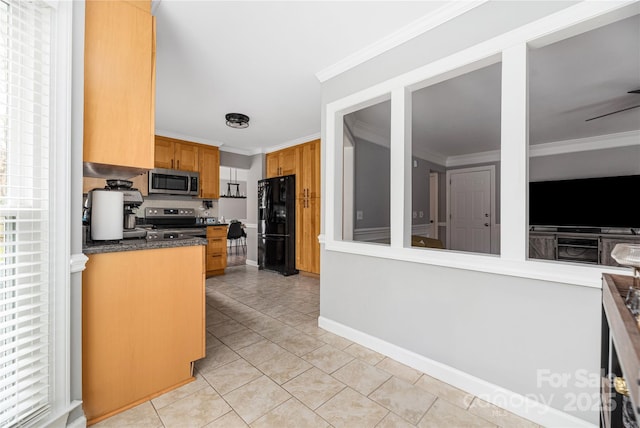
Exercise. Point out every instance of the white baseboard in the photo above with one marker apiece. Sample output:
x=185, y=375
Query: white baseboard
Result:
x=252, y=263
x=494, y=394
x=80, y=422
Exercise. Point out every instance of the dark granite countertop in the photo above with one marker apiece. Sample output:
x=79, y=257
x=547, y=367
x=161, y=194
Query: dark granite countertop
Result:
x=138, y=244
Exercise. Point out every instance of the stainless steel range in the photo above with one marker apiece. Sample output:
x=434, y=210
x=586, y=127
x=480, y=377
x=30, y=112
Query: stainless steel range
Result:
x=173, y=223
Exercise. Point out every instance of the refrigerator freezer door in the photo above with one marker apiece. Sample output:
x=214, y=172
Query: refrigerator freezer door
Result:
x=274, y=253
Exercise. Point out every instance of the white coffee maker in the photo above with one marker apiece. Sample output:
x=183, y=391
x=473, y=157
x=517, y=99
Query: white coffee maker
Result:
x=110, y=211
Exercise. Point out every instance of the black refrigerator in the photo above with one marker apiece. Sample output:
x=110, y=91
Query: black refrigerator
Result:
x=277, y=224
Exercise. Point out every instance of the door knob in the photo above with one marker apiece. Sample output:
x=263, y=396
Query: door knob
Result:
x=486, y=224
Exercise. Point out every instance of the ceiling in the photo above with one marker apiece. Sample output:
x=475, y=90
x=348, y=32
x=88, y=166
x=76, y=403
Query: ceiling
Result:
x=569, y=81
x=261, y=59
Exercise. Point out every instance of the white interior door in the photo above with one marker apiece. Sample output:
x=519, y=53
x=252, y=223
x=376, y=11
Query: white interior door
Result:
x=470, y=209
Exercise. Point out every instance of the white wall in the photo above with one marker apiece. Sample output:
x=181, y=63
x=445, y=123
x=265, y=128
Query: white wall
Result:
x=254, y=174
x=233, y=208
x=587, y=164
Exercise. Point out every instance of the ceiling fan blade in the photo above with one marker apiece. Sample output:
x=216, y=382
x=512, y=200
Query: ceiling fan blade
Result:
x=613, y=112
x=635, y=91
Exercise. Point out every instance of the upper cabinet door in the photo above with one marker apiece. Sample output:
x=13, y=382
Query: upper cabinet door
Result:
x=282, y=162
x=273, y=166
x=164, y=153
x=119, y=84
x=309, y=171
x=186, y=157
x=288, y=161
x=209, y=172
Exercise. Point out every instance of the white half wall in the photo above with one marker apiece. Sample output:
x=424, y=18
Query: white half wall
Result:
x=509, y=332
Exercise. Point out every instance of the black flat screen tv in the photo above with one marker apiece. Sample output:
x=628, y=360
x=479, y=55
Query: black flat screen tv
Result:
x=586, y=203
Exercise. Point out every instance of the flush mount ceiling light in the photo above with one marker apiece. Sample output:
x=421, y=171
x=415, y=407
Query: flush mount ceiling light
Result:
x=237, y=120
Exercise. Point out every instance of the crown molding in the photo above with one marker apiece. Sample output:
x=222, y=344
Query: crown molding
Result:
x=474, y=158
x=292, y=143
x=369, y=132
x=199, y=140
x=190, y=138
x=414, y=29
x=430, y=156
x=599, y=142
x=238, y=151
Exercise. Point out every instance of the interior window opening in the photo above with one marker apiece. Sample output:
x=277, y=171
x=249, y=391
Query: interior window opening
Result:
x=367, y=175
x=455, y=163
x=584, y=144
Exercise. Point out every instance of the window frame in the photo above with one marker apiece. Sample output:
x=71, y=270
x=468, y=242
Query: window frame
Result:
x=511, y=49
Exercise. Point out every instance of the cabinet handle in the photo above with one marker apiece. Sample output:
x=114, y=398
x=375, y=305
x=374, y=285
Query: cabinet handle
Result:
x=171, y=163
x=178, y=164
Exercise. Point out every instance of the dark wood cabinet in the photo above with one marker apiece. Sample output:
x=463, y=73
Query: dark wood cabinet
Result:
x=542, y=247
x=592, y=248
x=620, y=355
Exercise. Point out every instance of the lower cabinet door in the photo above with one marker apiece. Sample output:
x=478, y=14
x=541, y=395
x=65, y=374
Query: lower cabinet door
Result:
x=143, y=324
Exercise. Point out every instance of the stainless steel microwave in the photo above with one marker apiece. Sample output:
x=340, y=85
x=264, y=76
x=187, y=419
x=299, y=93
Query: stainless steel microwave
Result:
x=174, y=182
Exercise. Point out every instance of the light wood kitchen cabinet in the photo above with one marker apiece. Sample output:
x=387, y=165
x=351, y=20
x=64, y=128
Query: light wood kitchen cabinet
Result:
x=307, y=231
x=209, y=172
x=143, y=325
x=216, y=250
x=308, y=179
x=171, y=153
x=308, y=207
x=119, y=84
x=282, y=162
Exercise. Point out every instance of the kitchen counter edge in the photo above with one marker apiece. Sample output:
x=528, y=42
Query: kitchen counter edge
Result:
x=140, y=244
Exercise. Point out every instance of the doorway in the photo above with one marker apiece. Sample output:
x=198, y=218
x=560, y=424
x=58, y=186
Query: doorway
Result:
x=471, y=209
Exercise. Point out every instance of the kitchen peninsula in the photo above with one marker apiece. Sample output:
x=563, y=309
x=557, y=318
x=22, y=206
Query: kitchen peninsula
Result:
x=143, y=321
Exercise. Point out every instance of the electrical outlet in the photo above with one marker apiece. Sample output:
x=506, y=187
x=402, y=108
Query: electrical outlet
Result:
x=359, y=215
x=421, y=214
x=415, y=163
x=415, y=214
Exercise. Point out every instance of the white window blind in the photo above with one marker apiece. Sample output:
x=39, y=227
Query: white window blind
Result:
x=25, y=316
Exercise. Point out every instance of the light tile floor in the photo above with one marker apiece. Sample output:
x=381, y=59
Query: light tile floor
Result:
x=269, y=365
